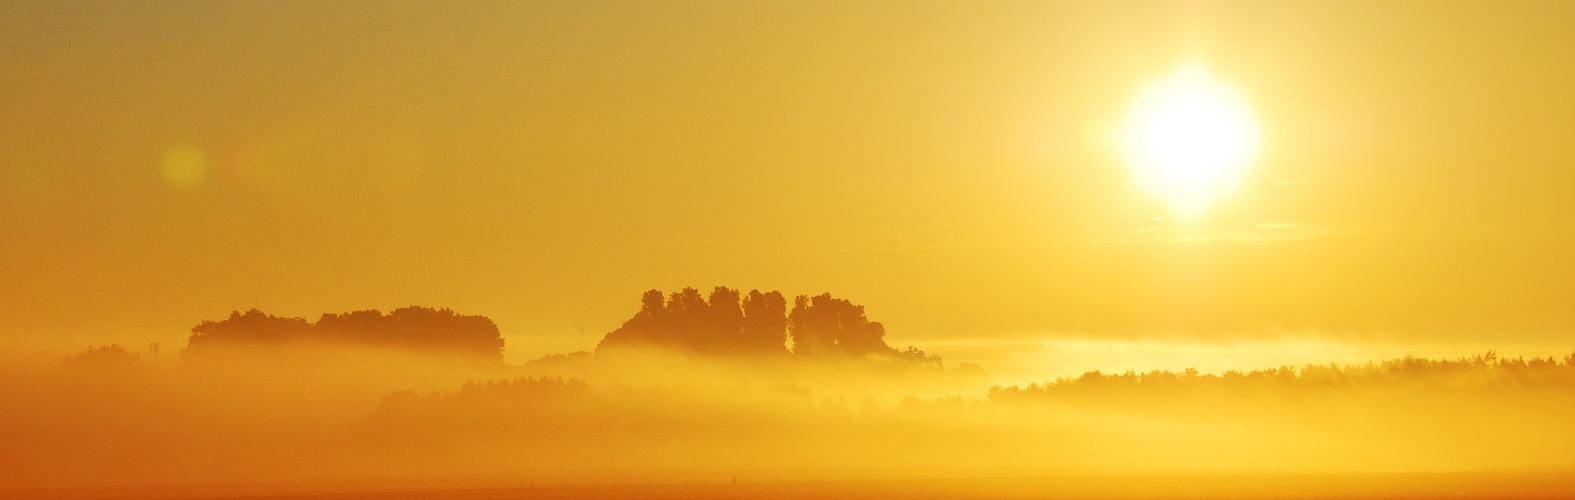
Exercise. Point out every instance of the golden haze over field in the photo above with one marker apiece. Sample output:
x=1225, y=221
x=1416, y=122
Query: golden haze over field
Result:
x=1122, y=238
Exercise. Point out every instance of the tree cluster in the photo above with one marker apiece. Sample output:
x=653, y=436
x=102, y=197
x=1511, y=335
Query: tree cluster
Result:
x=113, y=358
x=728, y=322
x=418, y=328
x=725, y=323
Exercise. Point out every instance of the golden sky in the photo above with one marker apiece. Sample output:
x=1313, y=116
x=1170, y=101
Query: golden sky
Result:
x=951, y=166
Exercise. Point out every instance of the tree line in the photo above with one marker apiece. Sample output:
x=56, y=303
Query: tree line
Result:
x=1483, y=372
x=725, y=322
x=418, y=328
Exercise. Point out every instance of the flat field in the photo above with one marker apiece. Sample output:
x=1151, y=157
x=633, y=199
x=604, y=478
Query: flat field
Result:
x=1519, y=485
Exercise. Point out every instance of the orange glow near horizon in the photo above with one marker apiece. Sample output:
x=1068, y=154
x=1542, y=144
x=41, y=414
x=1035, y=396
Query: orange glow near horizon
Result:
x=501, y=243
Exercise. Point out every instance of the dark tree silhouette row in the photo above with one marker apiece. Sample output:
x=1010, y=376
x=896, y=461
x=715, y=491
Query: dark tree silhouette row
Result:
x=758, y=323
x=417, y=328
x=112, y=357
x=1486, y=372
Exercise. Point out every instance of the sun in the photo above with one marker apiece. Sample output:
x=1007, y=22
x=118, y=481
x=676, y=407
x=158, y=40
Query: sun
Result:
x=1190, y=140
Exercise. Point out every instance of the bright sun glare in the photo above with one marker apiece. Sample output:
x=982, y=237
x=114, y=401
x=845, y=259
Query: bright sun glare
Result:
x=1190, y=139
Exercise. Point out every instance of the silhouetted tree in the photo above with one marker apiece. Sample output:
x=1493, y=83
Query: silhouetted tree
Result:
x=917, y=357
x=688, y=318
x=252, y=326
x=727, y=321
x=110, y=358
x=824, y=326
x=765, y=322
x=715, y=325
x=644, y=328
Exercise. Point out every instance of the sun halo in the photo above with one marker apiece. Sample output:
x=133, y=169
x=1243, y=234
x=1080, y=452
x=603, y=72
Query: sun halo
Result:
x=1190, y=140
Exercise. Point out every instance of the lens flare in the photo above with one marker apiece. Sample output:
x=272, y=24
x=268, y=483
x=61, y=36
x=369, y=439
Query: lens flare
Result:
x=184, y=166
x=1190, y=140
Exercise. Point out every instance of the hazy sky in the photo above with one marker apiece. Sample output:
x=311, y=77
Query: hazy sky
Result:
x=947, y=165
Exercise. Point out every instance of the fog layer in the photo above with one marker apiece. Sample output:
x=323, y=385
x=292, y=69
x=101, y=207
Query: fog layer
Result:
x=666, y=398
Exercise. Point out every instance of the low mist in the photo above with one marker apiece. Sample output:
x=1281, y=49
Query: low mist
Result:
x=688, y=389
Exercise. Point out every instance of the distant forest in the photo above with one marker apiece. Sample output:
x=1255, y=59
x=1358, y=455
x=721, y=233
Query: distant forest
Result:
x=728, y=322
x=418, y=328
x=1484, y=372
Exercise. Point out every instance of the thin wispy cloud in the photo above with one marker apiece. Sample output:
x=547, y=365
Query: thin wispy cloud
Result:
x=943, y=224
x=1286, y=181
